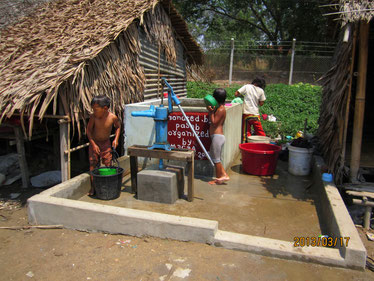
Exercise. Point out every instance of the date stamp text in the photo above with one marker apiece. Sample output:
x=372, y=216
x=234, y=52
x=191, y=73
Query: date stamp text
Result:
x=306, y=241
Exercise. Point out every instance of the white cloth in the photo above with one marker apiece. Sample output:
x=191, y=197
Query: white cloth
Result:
x=252, y=96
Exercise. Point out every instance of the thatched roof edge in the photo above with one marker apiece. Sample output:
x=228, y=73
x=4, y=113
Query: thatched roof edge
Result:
x=53, y=45
x=349, y=11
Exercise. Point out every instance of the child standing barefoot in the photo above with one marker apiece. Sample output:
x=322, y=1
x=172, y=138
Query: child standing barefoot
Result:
x=99, y=128
x=217, y=117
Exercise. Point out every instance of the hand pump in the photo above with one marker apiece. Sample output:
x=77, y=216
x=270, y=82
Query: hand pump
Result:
x=160, y=115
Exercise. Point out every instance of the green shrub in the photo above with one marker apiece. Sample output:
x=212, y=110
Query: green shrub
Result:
x=291, y=105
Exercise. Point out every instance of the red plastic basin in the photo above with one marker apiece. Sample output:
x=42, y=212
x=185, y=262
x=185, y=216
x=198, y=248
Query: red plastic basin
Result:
x=259, y=159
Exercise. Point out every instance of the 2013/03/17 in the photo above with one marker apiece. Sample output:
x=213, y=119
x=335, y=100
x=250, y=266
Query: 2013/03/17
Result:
x=301, y=241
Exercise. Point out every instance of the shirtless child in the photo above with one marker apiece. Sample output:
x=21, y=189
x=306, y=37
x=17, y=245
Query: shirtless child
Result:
x=98, y=131
x=217, y=117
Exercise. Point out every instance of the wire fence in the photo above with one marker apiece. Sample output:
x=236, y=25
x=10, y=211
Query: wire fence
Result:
x=269, y=60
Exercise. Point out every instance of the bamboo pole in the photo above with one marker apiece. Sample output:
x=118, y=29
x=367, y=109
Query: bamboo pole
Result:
x=54, y=226
x=345, y=129
x=67, y=117
x=82, y=146
x=360, y=100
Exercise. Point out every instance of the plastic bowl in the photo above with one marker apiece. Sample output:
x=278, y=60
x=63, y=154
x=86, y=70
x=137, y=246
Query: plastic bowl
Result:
x=210, y=101
x=107, y=171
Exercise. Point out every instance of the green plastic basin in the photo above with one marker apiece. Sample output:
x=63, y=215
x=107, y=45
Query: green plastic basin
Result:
x=210, y=101
x=107, y=171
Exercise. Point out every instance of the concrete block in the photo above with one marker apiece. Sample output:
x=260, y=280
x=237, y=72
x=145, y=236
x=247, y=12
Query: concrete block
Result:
x=179, y=173
x=157, y=186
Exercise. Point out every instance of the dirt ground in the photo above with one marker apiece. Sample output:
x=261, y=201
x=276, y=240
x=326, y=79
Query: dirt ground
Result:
x=62, y=254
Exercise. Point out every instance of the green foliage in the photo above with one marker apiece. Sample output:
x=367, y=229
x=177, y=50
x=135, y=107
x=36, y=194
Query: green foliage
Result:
x=291, y=105
x=271, y=20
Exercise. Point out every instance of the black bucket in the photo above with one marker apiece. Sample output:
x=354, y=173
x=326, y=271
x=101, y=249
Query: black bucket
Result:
x=107, y=187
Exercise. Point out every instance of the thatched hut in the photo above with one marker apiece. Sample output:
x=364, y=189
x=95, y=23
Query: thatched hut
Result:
x=345, y=130
x=66, y=51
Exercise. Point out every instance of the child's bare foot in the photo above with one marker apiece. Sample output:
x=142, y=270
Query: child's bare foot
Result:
x=91, y=192
x=224, y=178
x=217, y=181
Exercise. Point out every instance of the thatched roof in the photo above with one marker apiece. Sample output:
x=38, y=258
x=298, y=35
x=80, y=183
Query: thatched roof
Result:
x=64, y=39
x=356, y=10
x=349, y=11
x=336, y=85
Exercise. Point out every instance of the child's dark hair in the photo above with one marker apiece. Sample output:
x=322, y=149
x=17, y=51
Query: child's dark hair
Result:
x=259, y=82
x=101, y=101
x=220, y=95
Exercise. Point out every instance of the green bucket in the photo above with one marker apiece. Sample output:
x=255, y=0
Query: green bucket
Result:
x=107, y=171
x=210, y=101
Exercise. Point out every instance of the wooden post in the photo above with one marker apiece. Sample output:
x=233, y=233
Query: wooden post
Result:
x=134, y=173
x=56, y=151
x=231, y=60
x=367, y=217
x=64, y=145
x=22, y=156
x=346, y=118
x=191, y=188
x=292, y=61
x=360, y=100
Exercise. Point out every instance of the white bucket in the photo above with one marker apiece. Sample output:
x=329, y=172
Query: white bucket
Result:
x=258, y=139
x=299, y=161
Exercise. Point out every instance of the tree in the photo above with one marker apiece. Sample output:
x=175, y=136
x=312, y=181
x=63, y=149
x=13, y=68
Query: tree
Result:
x=270, y=20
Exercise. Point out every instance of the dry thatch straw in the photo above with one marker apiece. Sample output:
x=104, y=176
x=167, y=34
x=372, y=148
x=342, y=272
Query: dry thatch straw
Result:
x=356, y=10
x=68, y=51
x=336, y=85
x=333, y=106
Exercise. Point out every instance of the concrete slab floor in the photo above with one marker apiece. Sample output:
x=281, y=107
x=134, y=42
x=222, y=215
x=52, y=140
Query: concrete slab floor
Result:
x=279, y=206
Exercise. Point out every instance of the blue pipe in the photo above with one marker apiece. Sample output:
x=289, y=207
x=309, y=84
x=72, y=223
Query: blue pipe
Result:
x=151, y=112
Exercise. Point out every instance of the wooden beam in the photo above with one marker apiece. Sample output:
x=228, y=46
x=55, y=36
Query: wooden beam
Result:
x=22, y=156
x=360, y=100
x=64, y=145
x=365, y=186
x=175, y=154
x=361, y=194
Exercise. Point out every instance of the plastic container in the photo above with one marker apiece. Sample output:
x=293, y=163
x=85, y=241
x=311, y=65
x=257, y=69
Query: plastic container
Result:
x=299, y=160
x=258, y=139
x=210, y=101
x=107, y=171
x=259, y=159
x=327, y=177
x=107, y=187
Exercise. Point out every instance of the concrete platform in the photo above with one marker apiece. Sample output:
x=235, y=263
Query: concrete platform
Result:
x=255, y=214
